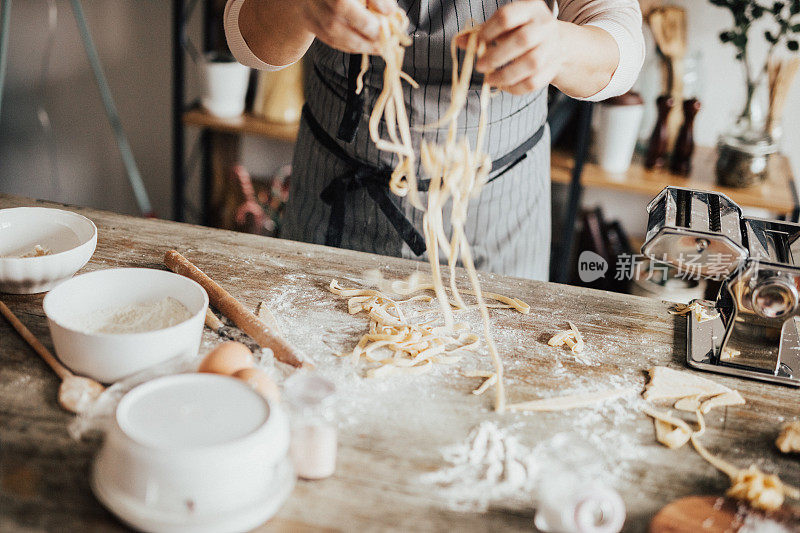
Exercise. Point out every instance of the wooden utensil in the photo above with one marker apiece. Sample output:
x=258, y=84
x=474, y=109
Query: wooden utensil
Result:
x=668, y=24
x=714, y=514
x=75, y=391
x=781, y=75
x=681, y=162
x=235, y=311
x=657, y=148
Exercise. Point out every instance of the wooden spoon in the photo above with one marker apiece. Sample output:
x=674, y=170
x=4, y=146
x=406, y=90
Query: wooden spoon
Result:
x=781, y=74
x=75, y=391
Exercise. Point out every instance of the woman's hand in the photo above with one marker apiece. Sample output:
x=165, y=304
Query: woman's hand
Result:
x=347, y=25
x=523, y=47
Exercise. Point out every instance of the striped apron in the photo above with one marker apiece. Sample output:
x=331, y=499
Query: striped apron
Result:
x=339, y=194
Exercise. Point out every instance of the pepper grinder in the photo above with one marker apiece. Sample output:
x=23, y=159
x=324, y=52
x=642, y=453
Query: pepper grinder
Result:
x=657, y=150
x=681, y=162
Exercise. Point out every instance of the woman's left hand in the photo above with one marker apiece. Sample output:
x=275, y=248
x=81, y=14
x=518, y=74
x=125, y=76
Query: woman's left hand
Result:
x=523, y=47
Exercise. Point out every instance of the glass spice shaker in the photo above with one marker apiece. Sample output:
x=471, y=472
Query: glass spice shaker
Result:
x=314, y=437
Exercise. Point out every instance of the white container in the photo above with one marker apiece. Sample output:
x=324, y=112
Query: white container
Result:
x=616, y=127
x=110, y=357
x=314, y=433
x=223, y=87
x=69, y=237
x=194, y=452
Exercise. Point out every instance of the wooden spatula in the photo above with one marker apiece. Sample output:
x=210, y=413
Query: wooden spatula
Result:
x=714, y=514
x=668, y=24
x=781, y=74
x=75, y=391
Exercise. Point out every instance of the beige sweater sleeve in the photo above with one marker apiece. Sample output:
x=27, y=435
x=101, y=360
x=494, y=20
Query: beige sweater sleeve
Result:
x=622, y=19
x=239, y=48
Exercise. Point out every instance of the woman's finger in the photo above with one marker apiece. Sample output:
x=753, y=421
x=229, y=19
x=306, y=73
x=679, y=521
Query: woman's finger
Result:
x=335, y=31
x=384, y=7
x=510, y=16
x=338, y=34
x=520, y=68
x=530, y=83
x=357, y=16
x=512, y=45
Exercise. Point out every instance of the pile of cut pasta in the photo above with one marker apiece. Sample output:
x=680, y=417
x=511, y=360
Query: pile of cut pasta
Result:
x=411, y=341
x=456, y=171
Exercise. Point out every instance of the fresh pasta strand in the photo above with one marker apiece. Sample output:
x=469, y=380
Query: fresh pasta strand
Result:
x=456, y=173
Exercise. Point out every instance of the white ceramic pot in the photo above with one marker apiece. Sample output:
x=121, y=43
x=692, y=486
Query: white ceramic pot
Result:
x=110, y=357
x=194, y=452
x=223, y=87
x=616, y=129
x=69, y=238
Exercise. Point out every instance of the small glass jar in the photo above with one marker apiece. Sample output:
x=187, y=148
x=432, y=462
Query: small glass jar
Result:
x=314, y=439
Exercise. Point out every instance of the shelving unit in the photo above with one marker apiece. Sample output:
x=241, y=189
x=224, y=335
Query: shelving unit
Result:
x=245, y=125
x=778, y=194
x=219, y=139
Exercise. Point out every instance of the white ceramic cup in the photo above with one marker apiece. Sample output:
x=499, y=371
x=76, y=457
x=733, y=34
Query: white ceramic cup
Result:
x=110, y=357
x=616, y=129
x=194, y=452
x=223, y=87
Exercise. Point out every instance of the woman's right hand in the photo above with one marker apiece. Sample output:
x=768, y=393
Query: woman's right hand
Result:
x=347, y=25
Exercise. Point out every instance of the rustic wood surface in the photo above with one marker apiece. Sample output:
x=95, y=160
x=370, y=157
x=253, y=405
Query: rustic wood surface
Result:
x=44, y=473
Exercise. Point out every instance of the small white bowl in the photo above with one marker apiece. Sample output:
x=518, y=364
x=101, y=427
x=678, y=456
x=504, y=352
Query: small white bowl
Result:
x=109, y=357
x=194, y=452
x=70, y=238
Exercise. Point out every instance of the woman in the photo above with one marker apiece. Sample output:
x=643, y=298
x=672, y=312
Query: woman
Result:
x=589, y=49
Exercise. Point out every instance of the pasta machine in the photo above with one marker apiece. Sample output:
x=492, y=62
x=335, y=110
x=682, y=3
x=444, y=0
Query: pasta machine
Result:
x=751, y=330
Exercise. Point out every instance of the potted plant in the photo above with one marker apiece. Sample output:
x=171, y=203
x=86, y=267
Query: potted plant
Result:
x=745, y=148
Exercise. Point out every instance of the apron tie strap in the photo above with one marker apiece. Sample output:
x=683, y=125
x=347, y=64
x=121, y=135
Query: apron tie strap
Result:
x=354, y=107
x=360, y=175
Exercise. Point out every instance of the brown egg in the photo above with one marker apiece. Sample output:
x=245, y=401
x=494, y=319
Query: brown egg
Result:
x=260, y=382
x=227, y=358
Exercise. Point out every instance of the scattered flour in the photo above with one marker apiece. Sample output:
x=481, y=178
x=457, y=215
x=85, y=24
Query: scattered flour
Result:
x=491, y=465
x=760, y=524
x=136, y=318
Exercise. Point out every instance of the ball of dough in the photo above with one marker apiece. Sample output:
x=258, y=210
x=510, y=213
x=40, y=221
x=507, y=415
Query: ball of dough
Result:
x=227, y=359
x=260, y=382
x=789, y=439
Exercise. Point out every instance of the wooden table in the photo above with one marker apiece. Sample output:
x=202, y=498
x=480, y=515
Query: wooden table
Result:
x=777, y=194
x=391, y=432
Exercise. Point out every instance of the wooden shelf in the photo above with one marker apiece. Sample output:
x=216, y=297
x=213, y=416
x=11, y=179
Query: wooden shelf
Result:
x=244, y=125
x=776, y=195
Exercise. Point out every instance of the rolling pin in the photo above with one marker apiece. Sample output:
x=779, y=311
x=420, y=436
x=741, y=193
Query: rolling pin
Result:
x=234, y=310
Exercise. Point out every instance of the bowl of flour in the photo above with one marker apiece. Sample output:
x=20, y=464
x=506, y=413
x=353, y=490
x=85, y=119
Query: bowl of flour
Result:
x=110, y=324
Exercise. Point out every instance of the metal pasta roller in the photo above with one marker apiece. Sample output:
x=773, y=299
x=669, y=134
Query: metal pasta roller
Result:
x=752, y=329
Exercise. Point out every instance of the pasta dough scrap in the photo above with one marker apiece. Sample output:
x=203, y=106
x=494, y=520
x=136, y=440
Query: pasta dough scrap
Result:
x=570, y=401
x=668, y=384
x=672, y=432
x=762, y=491
x=788, y=440
x=702, y=313
x=37, y=251
x=726, y=399
x=571, y=337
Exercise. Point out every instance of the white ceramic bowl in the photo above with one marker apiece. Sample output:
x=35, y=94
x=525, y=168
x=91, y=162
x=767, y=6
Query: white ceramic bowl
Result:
x=70, y=237
x=110, y=357
x=194, y=452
